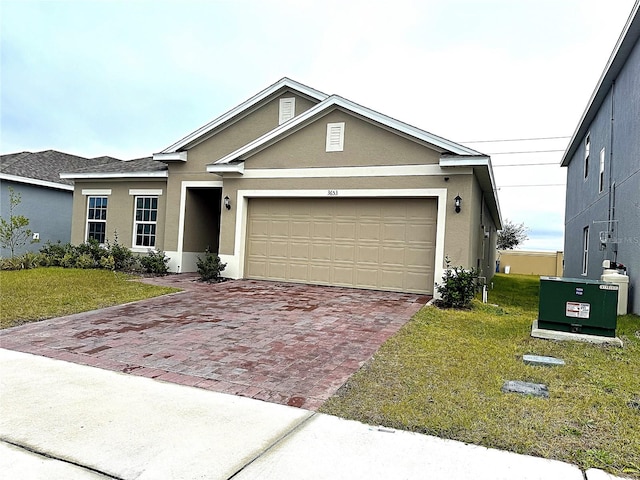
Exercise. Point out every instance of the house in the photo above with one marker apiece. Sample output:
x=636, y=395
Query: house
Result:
x=602, y=217
x=45, y=199
x=296, y=185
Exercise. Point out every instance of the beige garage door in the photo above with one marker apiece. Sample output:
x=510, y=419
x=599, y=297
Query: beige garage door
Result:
x=376, y=243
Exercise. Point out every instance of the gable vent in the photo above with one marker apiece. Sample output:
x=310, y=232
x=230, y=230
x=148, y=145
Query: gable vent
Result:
x=335, y=137
x=287, y=109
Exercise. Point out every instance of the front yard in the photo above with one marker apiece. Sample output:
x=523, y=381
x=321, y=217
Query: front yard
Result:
x=31, y=295
x=442, y=375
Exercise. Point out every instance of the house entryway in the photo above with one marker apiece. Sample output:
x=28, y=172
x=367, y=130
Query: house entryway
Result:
x=202, y=219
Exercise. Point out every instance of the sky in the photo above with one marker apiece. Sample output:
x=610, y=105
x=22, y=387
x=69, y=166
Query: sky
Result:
x=509, y=78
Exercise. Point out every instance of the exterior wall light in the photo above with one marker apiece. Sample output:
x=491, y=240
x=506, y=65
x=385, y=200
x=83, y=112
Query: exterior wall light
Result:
x=227, y=203
x=457, y=202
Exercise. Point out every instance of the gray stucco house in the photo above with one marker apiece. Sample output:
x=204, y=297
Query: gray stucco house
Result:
x=46, y=199
x=602, y=217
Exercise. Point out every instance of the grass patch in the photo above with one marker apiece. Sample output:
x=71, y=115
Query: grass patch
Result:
x=31, y=295
x=441, y=374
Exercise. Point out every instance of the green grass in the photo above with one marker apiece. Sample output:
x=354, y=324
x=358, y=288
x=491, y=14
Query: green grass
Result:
x=441, y=374
x=31, y=295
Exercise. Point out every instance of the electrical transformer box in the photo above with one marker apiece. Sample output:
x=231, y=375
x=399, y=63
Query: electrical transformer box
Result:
x=578, y=306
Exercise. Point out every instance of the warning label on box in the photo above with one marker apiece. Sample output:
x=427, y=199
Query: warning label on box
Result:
x=578, y=310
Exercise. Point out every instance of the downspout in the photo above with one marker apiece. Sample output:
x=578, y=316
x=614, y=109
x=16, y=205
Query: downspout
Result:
x=612, y=185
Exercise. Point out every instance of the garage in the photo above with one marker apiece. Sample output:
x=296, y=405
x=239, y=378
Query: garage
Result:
x=373, y=243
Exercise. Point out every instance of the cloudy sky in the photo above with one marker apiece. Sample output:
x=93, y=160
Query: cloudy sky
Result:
x=129, y=78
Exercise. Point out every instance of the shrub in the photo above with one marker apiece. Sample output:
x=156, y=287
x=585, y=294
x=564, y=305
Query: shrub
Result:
x=108, y=262
x=458, y=287
x=85, y=260
x=53, y=253
x=123, y=259
x=12, y=263
x=210, y=267
x=155, y=262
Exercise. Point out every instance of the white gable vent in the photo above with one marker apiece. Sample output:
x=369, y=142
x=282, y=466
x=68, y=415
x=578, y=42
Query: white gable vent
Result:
x=335, y=137
x=287, y=109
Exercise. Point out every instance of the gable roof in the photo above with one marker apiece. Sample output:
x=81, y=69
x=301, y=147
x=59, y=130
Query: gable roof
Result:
x=335, y=101
x=44, y=168
x=626, y=42
x=246, y=106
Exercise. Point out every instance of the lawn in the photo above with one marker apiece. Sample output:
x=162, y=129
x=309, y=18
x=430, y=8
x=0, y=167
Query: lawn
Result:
x=31, y=295
x=441, y=374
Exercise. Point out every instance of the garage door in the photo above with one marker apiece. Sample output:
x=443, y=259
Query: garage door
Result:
x=375, y=243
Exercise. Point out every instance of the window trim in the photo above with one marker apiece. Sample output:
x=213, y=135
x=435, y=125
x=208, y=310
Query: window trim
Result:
x=601, y=175
x=585, y=250
x=136, y=222
x=331, y=144
x=88, y=220
x=282, y=113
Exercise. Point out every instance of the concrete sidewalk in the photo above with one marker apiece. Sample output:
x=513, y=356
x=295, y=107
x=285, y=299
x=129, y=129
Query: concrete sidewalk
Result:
x=68, y=421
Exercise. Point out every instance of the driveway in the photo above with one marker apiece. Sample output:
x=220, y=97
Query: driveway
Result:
x=279, y=342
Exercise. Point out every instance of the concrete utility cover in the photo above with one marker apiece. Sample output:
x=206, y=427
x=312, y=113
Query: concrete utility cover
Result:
x=542, y=361
x=526, y=388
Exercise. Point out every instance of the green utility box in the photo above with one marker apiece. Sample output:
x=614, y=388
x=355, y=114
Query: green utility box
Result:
x=578, y=306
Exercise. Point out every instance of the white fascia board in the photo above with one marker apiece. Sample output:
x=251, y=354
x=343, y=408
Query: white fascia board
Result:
x=35, y=181
x=284, y=82
x=226, y=168
x=82, y=176
x=465, y=161
x=351, y=172
x=171, y=157
x=337, y=101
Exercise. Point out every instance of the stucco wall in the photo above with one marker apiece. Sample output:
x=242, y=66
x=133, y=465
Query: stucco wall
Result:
x=48, y=211
x=532, y=263
x=120, y=210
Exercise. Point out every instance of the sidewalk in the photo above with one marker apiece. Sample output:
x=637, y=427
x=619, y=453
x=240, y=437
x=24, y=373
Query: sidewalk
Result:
x=68, y=421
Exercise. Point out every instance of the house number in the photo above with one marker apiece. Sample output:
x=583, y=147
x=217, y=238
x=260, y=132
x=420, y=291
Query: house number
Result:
x=332, y=193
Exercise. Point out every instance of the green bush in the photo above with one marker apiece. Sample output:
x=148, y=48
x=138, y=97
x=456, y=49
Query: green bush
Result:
x=210, y=267
x=458, y=287
x=155, y=262
x=54, y=253
x=123, y=258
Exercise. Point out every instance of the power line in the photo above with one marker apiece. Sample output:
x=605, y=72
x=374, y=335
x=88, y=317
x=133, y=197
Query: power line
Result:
x=526, y=164
x=515, y=140
x=526, y=151
x=539, y=185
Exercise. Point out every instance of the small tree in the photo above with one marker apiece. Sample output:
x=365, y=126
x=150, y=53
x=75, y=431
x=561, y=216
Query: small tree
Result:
x=511, y=235
x=14, y=231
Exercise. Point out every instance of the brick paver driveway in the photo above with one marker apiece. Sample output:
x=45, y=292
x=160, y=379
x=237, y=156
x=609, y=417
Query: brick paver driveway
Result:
x=283, y=343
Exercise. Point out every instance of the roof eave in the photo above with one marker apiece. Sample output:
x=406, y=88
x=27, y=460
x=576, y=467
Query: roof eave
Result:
x=103, y=175
x=35, y=181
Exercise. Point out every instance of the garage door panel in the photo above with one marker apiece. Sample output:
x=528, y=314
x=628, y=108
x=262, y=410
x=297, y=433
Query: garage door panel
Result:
x=321, y=252
x=380, y=243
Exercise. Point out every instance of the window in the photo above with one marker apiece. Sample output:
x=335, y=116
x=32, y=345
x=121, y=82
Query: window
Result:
x=587, y=148
x=287, y=109
x=335, y=137
x=145, y=222
x=97, y=219
x=601, y=178
x=585, y=250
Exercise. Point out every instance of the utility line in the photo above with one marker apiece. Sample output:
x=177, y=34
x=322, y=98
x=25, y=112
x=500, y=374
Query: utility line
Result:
x=539, y=185
x=515, y=140
x=526, y=151
x=525, y=164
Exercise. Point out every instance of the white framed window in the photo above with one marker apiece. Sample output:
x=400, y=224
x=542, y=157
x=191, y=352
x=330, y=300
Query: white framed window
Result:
x=601, y=176
x=587, y=151
x=287, y=109
x=335, y=137
x=585, y=249
x=145, y=221
x=96, y=219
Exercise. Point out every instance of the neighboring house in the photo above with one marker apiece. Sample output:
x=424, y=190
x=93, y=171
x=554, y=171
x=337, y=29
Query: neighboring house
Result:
x=46, y=199
x=296, y=185
x=602, y=219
